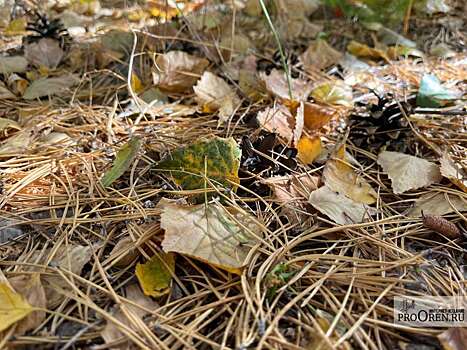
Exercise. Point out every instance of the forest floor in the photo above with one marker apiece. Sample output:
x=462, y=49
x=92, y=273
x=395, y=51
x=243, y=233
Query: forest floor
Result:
x=174, y=178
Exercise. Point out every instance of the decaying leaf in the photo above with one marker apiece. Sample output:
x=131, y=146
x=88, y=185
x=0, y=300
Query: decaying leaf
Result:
x=134, y=314
x=316, y=116
x=49, y=86
x=279, y=120
x=291, y=192
x=217, y=158
x=319, y=55
x=408, y=172
x=438, y=204
x=276, y=83
x=453, y=172
x=338, y=207
x=125, y=156
x=454, y=339
x=13, y=307
x=208, y=232
x=309, y=148
x=155, y=275
x=213, y=93
x=441, y=225
x=44, y=53
x=12, y=64
x=177, y=71
x=340, y=177
x=333, y=93
x=30, y=287
x=432, y=94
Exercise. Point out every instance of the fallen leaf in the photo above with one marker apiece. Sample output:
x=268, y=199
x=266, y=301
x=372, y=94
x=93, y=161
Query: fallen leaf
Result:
x=338, y=207
x=30, y=287
x=123, y=253
x=45, y=52
x=309, y=148
x=125, y=156
x=432, y=94
x=408, y=172
x=12, y=64
x=17, y=26
x=276, y=83
x=438, y=204
x=279, y=120
x=13, y=307
x=17, y=84
x=118, y=41
x=5, y=94
x=319, y=55
x=340, y=177
x=6, y=124
x=333, y=93
x=213, y=93
x=217, y=158
x=177, y=71
x=453, y=172
x=155, y=275
x=208, y=232
x=361, y=50
x=454, y=339
x=112, y=332
x=136, y=84
x=49, y=86
x=291, y=192
x=316, y=116
x=16, y=143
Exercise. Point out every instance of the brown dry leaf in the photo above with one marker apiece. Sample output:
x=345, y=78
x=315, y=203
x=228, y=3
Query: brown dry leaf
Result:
x=319, y=55
x=177, y=71
x=123, y=253
x=454, y=339
x=291, y=192
x=309, y=148
x=213, y=93
x=45, y=52
x=112, y=332
x=17, y=143
x=316, y=116
x=361, y=50
x=12, y=64
x=438, y=204
x=276, y=84
x=341, y=177
x=208, y=232
x=333, y=93
x=453, y=172
x=338, y=207
x=31, y=289
x=408, y=172
x=280, y=120
x=155, y=275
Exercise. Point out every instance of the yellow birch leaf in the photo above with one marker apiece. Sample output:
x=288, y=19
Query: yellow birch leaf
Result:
x=155, y=275
x=309, y=148
x=13, y=307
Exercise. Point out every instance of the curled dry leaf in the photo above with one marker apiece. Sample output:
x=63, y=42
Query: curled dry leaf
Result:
x=211, y=233
x=338, y=207
x=316, y=116
x=280, y=120
x=134, y=314
x=453, y=172
x=155, y=275
x=44, y=53
x=291, y=192
x=13, y=306
x=213, y=93
x=177, y=71
x=438, y=204
x=408, y=172
x=340, y=177
x=319, y=55
x=30, y=287
x=276, y=84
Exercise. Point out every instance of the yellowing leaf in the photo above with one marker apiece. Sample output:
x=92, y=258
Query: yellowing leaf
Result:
x=309, y=148
x=341, y=177
x=122, y=162
x=218, y=159
x=177, y=71
x=155, y=275
x=208, y=232
x=316, y=116
x=408, y=172
x=16, y=26
x=136, y=84
x=12, y=306
x=319, y=55
x=333, y=93
x=338, y=207
x=453, y=172
x=362, y=50
x=216, y=94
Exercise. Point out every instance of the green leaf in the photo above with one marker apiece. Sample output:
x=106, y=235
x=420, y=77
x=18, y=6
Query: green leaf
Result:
x=433, y=94
x=218, y=159
x=122, y=162
x=155, y=275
